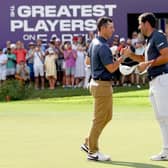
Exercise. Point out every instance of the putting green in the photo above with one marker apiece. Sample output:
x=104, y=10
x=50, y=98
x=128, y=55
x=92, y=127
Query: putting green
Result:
x=48, y=134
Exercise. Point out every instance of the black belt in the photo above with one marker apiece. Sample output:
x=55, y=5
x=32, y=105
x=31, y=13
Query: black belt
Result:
x=102, y=79
x=151, y=77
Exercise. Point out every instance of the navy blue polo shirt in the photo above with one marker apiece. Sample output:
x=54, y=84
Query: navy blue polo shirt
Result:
x=100, y=56
x=155, y=43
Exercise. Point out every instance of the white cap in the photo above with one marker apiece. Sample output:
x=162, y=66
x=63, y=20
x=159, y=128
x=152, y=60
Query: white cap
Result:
x=122, y=39
x=13, y=45
x=127, y=70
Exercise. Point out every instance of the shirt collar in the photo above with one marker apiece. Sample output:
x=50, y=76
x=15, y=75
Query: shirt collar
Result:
x=148, y=38
x=102, y=39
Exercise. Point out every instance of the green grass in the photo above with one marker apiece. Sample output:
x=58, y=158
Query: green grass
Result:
x=47, y=133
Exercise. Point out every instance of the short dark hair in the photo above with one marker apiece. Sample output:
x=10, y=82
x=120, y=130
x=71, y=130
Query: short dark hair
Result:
x=148, y=17
x=103, y=21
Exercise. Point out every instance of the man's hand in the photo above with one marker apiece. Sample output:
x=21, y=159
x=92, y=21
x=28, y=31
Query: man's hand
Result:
x=126, y=52
x=142, y=66
x=121, y=59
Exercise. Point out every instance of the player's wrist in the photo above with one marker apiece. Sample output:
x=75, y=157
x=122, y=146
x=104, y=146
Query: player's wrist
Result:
x=120, y=60
x=132, y=55
x=123, y=57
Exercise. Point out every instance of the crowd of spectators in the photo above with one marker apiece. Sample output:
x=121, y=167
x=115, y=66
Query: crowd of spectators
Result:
x=46, y=64
x=63, y=63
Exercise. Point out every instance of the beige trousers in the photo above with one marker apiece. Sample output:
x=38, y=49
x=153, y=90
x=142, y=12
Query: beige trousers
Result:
x=102, y=94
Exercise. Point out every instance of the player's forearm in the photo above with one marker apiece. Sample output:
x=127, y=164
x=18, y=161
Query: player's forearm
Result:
x=160, y=61
x=137, y=58
x=113, y=67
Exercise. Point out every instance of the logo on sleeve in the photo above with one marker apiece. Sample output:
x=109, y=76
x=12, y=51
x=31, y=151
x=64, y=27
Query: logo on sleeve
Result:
x=159, y=45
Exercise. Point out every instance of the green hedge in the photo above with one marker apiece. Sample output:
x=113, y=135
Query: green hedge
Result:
x=14, y=89
x=17, y=91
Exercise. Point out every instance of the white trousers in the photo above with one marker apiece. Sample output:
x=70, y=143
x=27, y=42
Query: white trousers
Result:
x=159, y=98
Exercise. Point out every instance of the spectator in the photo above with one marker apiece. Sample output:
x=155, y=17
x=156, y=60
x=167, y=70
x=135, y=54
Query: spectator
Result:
x=128, y=79
x=8, y=43
x=81, y=40
x=80, y=67
x=139, y=50
x=12, y=47
x=122, y=44
x=87, y=68
x=22, y=72
x=116, y=38
x=75, y=42
x=51, y=46
x=39, y=43
x=11, y=64
x=38, y=66
x=3, y=68
x=70, y=59
x=134, y=38
x=115, y=53
x=20, y=52
x=29, y=58
x=59, y=61
x=114, y=48
x=50, y=68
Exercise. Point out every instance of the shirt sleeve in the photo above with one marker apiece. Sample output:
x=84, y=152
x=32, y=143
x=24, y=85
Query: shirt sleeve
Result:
x=105, y=55
x=161, y=41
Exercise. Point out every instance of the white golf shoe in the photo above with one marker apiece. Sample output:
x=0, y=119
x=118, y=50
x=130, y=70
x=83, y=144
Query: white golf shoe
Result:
x=85, y=148
x=160, y=157
x=98, y=157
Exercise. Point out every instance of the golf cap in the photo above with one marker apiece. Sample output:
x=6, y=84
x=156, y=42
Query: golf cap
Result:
x=122, y=39
x=126, y=70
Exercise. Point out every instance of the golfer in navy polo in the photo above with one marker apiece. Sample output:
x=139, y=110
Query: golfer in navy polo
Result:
x=101, y=60
x=156, y=63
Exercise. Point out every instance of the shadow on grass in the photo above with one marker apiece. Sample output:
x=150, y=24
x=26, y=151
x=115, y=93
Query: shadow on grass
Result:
x=132, y=164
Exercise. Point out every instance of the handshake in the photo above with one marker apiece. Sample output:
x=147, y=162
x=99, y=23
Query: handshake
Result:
x=142, y=66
